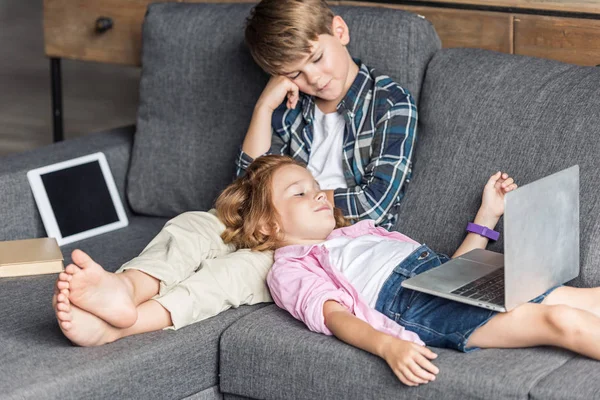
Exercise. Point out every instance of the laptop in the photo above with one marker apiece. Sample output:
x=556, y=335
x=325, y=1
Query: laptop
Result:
x=541, y=250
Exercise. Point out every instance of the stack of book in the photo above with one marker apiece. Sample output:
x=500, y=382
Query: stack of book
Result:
x=30, y=257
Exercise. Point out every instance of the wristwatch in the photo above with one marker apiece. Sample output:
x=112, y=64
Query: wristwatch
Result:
x=483, y=231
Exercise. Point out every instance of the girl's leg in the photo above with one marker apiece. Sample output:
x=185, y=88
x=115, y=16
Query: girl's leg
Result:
x=220, y=283
x=583, y=298
x=540, y=324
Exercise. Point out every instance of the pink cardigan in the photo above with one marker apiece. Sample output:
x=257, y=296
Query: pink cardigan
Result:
x=302, y=280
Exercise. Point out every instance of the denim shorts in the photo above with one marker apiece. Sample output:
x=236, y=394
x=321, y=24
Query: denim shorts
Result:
x=439, y=322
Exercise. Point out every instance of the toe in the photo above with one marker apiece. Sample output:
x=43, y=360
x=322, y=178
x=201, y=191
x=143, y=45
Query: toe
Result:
x=66, y=325
x=62, y=298
x=72, y=269
x=81, y=259
x=64, y=277
x=63, y=307
x=61, y=285
x=64, y=316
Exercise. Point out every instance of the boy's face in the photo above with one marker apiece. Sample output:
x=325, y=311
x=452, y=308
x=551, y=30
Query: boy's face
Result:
x=306, y=216
x=328, y=71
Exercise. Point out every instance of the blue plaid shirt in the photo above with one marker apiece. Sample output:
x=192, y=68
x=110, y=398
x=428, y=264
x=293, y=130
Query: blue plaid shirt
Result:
x=379, y=138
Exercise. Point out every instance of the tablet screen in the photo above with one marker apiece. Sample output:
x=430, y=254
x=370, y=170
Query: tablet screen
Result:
x=79, y=198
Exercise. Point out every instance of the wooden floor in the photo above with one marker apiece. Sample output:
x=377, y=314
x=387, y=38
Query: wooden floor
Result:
x=95, y=96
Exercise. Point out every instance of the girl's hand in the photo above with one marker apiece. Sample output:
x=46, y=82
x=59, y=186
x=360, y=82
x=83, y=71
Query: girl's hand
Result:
x=493, y=193
x=410, y=362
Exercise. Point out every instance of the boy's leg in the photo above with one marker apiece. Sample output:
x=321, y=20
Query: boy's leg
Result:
x=179, y=248
x=170, y=257
x=539, y=324
x=221, y=283
x=109, y=296
x=86, y=329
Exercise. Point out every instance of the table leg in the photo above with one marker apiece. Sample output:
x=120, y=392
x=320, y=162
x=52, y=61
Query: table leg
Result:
x=57, y=107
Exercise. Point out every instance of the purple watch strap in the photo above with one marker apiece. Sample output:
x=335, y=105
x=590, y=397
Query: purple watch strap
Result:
x=483, y=231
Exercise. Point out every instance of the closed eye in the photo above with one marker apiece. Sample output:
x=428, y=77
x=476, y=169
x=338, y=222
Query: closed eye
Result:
x=299, y=194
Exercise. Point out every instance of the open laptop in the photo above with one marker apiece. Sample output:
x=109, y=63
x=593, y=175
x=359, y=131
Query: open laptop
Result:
x=541, y=250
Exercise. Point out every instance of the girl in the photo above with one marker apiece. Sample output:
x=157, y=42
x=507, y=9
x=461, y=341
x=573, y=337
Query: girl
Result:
x=347, y=281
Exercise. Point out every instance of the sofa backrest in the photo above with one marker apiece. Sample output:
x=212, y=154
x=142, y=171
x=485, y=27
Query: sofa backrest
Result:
x=481, y=112
x=199, y=86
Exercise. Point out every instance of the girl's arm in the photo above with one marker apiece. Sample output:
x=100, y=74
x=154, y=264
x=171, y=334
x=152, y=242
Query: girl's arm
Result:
x=409, y=361
x=492, y=208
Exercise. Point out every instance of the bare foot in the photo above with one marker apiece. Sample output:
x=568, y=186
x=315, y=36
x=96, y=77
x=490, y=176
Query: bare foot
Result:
x=104, y=294
x=81, y=327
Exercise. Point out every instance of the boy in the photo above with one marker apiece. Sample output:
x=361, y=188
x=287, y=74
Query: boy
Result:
x=353, y=129
x=358, y=130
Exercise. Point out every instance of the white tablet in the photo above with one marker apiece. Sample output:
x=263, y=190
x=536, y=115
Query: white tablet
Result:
x=77, y=199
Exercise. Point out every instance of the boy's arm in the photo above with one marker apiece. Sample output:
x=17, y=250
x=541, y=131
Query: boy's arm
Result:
x=243, y=161
x=409, y=361
x=260, y=138
x=388, y=169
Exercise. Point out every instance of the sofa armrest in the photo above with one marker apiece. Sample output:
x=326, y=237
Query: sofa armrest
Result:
x=19, y=215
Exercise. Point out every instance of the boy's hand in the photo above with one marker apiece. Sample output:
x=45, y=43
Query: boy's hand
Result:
x=493, y=193
x=410, y=361
x=278, y=88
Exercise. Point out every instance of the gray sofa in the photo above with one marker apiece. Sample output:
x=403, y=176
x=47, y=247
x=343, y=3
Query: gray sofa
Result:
x=479, y=112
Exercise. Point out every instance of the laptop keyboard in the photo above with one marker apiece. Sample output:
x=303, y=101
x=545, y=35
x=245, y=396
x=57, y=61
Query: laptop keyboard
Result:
x=488, y=288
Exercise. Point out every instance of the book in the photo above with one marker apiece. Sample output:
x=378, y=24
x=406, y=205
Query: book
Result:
x=30, y=257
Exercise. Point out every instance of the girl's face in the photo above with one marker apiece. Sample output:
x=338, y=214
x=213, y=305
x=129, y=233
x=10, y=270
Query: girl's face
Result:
x=306, y=215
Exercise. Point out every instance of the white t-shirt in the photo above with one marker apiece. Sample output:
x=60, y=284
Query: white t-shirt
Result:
x=325, y=162
x=367, y=261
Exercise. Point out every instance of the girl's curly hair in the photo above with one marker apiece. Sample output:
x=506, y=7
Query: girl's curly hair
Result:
x=246, y=206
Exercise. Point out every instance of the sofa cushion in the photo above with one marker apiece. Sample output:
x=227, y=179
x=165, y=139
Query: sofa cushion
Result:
x=199, y=86
x=39, y=362
x=481, y=112
x=577, y=379
x=18, y=211
x=269, y=347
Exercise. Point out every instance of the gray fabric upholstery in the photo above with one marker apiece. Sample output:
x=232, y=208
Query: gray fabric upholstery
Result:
x=577, y=380
x=481, y=112
x=269, y=355
x=197, y=92
x=228, y=396
x=39, y=362
x=212, y=393
x=199, y=86
x=20, y=216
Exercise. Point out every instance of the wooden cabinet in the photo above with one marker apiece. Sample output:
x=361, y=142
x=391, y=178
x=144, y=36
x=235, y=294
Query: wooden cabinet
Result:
x=562, y=38
x=565, y=39
x=70, y=27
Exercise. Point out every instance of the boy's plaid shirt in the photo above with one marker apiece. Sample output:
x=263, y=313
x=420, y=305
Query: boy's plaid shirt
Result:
x=381, y=125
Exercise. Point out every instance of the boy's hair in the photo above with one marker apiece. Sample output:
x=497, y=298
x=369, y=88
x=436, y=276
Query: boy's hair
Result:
x=280, y=31
x=246, y=205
